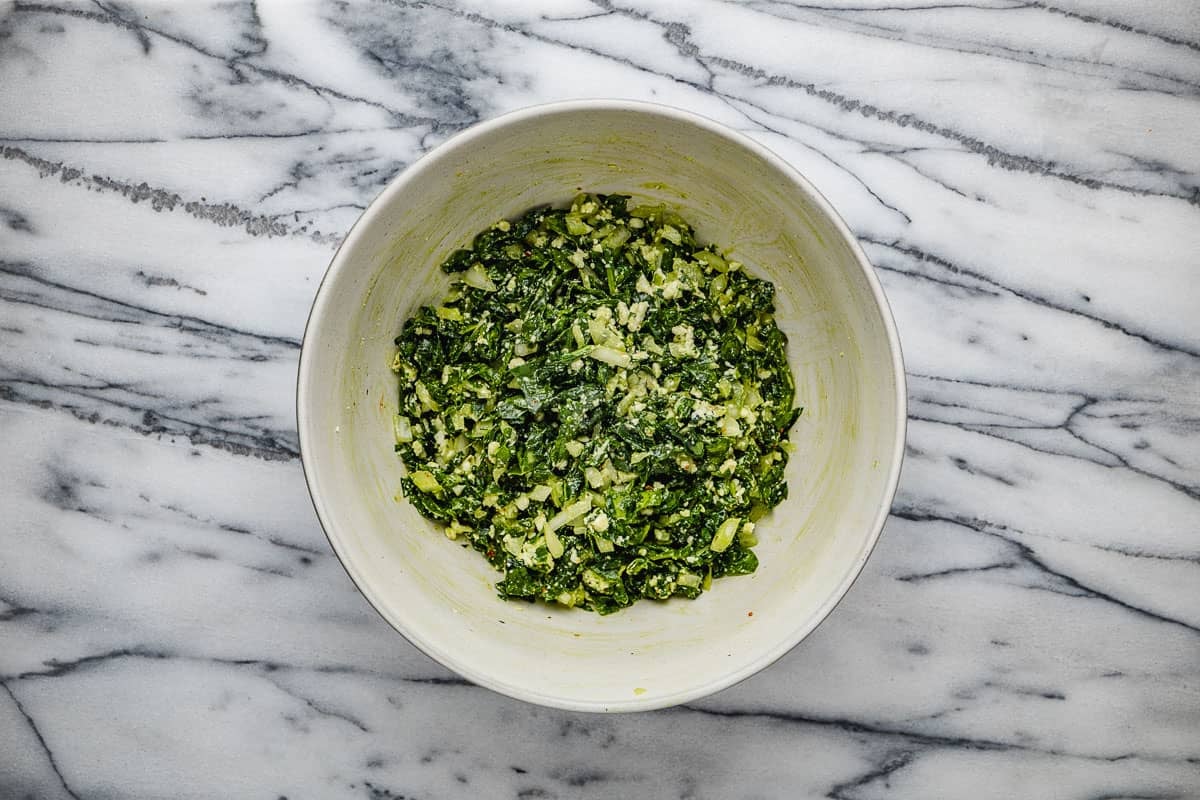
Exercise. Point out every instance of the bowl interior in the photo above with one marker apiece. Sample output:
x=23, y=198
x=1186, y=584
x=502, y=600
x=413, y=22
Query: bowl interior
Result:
x=841, y=347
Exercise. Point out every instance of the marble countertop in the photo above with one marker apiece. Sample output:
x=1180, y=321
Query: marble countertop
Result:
x=174, y=179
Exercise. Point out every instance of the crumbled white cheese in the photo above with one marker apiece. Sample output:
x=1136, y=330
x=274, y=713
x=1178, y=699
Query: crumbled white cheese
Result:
x=684, y=345
x=622, y=313
x=704, y=410
x=637, y=314
x=598, y=521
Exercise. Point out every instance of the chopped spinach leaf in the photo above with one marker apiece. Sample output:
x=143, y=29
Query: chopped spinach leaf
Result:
x=600, y=406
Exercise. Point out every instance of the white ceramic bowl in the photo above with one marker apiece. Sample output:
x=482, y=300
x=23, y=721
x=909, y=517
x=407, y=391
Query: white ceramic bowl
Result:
x=842, y=347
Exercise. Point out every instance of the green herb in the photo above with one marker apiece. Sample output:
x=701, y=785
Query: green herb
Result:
x=600, y=406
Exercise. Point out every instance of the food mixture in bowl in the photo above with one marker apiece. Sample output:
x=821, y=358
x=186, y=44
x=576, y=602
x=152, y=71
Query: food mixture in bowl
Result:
x=600, y=406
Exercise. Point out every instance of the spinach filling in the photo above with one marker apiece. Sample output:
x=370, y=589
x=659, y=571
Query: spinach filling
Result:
x=600, y=406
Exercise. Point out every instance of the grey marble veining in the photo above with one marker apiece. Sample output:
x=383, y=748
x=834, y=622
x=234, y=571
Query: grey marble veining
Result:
x=174, y=179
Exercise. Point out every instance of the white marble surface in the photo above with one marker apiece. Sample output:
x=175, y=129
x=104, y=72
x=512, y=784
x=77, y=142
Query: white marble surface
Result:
x=173, y=181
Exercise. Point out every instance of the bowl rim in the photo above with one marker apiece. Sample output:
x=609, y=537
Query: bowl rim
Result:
x=446, y=149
